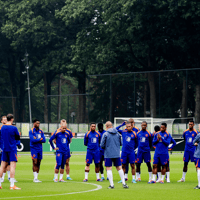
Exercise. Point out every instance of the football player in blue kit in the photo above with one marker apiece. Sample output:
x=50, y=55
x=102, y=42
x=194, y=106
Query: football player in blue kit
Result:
x=101, y=132
x=36, y=139
x=62, y=137
x=92, y=140
x=161, y=141
x=129, y=139
x=188, y=135
x=144, y=146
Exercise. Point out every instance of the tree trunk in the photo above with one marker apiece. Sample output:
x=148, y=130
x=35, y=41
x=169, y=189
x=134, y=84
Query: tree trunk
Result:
x=82, y=98
x=184, y=102
x=197, y=104
x=45, y=100
x=59, y=97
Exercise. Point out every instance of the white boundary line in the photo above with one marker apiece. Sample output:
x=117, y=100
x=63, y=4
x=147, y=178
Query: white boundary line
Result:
x=98, y=187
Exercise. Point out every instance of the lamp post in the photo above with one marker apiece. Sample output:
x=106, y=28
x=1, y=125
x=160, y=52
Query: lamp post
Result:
x=29, y=93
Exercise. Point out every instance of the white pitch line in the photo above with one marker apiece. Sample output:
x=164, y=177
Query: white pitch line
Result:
x=98, y=188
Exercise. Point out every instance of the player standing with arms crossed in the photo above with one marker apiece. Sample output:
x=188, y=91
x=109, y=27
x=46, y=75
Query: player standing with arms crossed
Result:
x=36, y=139
x=9, y=135
x=128, y=155
x=161, y=140
x=62, y=150
x=188, y=136
x=92, y=141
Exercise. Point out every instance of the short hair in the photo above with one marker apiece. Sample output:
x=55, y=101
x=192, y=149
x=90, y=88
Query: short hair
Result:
x=164, y=124
x=92, y=123
x=131, y=120
x=100, y=125
x=191, y=121
x=35, y=120
x=63, y=120
x=144, y=122
x=9, y=117
x=108, y=124
x=128, y=123
x=3, y=117
x=157, y=128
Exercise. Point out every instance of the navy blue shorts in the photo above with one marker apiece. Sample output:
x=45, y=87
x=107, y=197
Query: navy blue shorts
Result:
x=115, y=161
x=128, y=158
x=9, y=156
x=146, y=156
x=188, y=156
x=0, y=158
x=61, y=159
x=93, y=156
x=36, y=154
x=161, y=158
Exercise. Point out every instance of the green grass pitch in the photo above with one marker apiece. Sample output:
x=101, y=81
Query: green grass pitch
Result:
x=76, y=189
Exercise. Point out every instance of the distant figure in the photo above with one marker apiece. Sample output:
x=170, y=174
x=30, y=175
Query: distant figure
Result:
x=188, y=136
x=111, y=143
x=36, y=139
x=9, y=135
x=92, y=141
x=101, y=131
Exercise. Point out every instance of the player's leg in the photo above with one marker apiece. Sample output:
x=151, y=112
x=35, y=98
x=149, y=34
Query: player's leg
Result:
x=186, y=158
x=168, y=173
x=126, y=172
x=131, y=158
x=147, y=160
x=124, y=160
x=68, y=167
x=101, y=165
x=96, y=157
x=108, y=164
x=2, y=168
x=138, y=165
x=155, y=165
x=39, y=159
x=8, y=172
x=159, y=172
x=163, y=160
x=35, y=169
x=58, y=165
x=117, y=164
x=64, y=161
x=4, y=173
x=89, y=157
x=13, y=160
x=198, y=173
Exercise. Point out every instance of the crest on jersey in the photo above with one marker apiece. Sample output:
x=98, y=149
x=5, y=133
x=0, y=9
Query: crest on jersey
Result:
x=192, y=135
x=146, y=135
x=33, y=155
x=65, y=135
x=96, y=135
x=58, y=155
x=165, y=135
x=131, y=135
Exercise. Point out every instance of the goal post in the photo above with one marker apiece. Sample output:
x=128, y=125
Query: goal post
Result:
x=174, y=125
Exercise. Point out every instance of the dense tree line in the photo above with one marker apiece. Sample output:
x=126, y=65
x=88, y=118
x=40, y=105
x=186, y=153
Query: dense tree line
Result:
x=68, y=40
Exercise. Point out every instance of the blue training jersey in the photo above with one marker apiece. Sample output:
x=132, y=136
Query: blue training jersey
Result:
x=129, y=139
x=189, y=138
x=171, y=146
x=162, y=144
x=144, y=141
x=36, y=139
x=101, y=133
x=1, y=140
x=62, y=141
x=9, y=135
x=92, y=140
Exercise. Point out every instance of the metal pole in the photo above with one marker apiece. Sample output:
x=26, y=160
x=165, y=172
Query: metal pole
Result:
x=159, y=94
x=29, y=92
x=186, y=89
x=134, y=96
x=110, y=98
x=88, y=99
x=68, y=111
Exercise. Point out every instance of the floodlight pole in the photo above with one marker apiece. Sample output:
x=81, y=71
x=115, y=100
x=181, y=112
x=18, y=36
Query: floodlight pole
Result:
x=29, y=92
